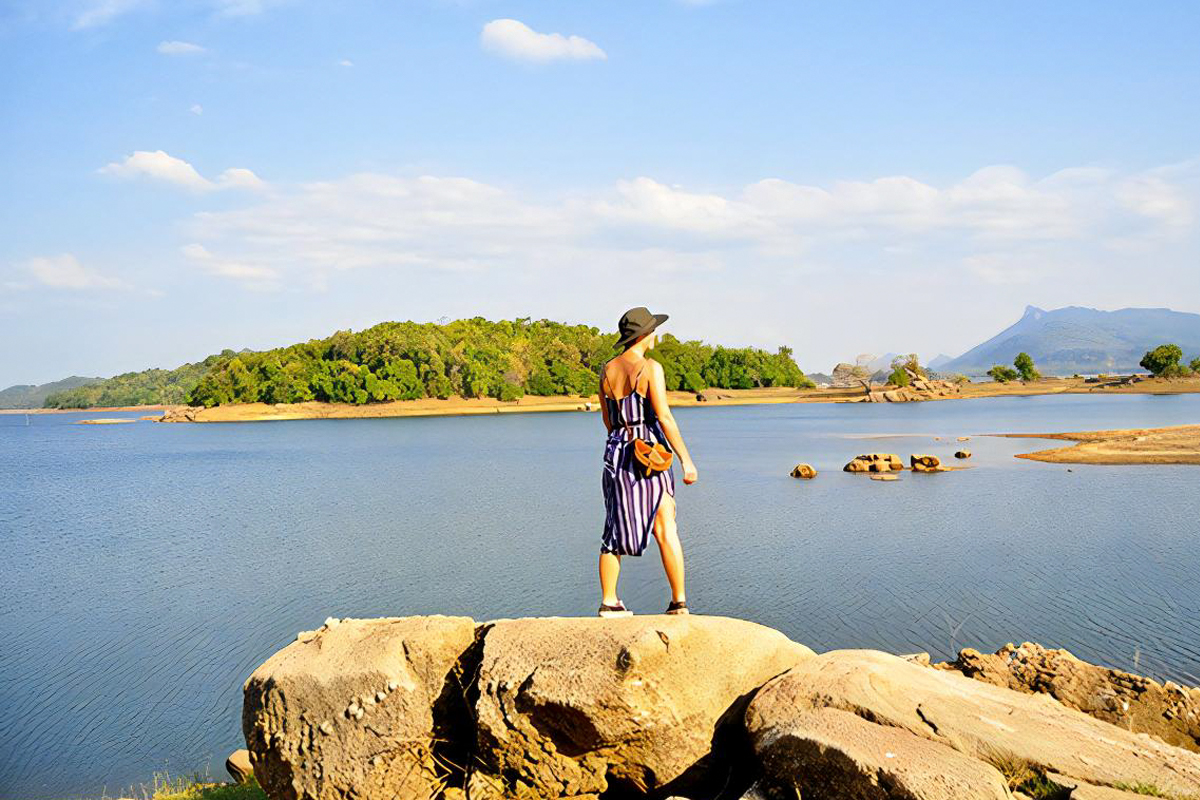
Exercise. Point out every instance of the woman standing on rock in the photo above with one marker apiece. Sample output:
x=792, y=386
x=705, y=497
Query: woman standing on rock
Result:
x=639, y=486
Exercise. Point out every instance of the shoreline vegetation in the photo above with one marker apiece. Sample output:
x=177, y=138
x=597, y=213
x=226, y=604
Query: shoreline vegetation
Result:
x=466, y=406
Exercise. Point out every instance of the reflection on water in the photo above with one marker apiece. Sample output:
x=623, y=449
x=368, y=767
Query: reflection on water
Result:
x=149, y=568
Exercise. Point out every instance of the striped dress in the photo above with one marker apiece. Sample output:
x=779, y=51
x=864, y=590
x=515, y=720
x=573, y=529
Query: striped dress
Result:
x=630, y=497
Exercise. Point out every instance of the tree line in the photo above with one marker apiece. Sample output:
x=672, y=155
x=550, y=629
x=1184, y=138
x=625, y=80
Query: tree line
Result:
x=1162, y=362
x=408, y=361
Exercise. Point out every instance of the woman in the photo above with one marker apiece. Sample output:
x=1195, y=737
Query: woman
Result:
x=637, y=503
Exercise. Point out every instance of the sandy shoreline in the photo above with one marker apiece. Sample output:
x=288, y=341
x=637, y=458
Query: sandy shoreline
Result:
x=1175, y=445
x=458, y=406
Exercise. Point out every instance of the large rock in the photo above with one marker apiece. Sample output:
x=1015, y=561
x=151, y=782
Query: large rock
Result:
x=829, y=754
x=1168, y=711
x=238, y=766
x=926, y=463
x=353, y=710
x=976, y=719
x=875, y=462
x=570, y=707
x=805, y=471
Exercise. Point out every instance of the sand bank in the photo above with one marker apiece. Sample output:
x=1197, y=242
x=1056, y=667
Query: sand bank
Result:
x=1175, y=445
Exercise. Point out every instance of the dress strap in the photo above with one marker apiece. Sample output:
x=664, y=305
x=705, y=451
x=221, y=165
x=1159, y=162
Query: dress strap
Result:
x=638, y=378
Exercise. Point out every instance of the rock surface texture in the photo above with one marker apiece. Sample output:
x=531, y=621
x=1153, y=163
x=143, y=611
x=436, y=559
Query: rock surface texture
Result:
x=965, y=718
x=350, y=710
x=691, y=707
x=875, y=462
x=1167, y=711
x=804, y=471
x=579, y=706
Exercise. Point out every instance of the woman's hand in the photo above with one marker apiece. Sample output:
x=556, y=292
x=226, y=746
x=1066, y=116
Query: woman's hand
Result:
x=689, y=473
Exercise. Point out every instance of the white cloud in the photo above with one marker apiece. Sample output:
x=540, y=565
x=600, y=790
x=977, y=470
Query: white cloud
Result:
x=511, y=38
x=996, y=227
x=345, y=62
x=159, y=165
x=65, y=272
x=100, y=12
x=239, y=178
x=174, y=48
x=254, y=277
x=197, y=109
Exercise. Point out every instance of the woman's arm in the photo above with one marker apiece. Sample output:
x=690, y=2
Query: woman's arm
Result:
x=658, y=398
x=604, y=403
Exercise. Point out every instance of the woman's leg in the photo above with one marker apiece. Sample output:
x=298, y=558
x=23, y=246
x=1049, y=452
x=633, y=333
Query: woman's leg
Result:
x=668, y=545
x=610, y=568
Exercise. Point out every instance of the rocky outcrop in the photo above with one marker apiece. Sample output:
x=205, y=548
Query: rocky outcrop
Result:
x=925, y=463
x=180, y=414
x=964, y=453
x=442, y=708
x=1167, y=710
x=804, y=471
x=569, y=707
x=875, y=462
x=845, y=377
x=891, y=710
x=356, y=709
x=916, y=391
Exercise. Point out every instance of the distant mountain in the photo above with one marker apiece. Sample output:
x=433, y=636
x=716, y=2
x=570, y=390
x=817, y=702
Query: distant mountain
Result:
x=30, y=396
x=939, y=361
x=1084, y=340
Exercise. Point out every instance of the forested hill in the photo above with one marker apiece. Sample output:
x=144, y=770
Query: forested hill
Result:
x=409, y=360
x=30, y=396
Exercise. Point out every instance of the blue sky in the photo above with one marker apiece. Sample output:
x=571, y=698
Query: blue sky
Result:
x=181, y=177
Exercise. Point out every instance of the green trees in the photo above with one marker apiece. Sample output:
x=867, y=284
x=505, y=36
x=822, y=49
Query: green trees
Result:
x=408, y=361
x=1195, y=365
x=905, y=369
x=1163, y=360
x=1025, y=370
x=1003, y=374
x=1025, y=366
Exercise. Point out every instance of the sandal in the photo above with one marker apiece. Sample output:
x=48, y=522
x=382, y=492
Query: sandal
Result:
x=616, y=610
x=678, y=607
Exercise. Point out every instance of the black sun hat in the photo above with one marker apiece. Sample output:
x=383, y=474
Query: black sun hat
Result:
x=637, y=322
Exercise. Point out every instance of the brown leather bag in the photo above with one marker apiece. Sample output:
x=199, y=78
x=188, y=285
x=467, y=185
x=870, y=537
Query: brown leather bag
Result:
x=652, y=457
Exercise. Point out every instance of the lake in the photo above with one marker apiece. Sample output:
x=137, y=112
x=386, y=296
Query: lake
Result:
x=150, y=568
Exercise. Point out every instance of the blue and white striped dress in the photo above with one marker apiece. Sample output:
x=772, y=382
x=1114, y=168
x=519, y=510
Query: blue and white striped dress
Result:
x=631, y=497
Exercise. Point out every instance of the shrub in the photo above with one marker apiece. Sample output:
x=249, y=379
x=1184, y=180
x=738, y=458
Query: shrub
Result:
x=1003, y=374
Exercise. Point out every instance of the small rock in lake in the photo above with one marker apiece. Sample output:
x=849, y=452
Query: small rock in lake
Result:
x=805, y=471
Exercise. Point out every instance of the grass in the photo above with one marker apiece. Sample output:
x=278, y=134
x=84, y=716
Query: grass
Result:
x=196, y=787
x=1022, y=776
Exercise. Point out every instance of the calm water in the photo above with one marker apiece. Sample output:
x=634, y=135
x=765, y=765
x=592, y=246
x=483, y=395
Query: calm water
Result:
x=149, y=568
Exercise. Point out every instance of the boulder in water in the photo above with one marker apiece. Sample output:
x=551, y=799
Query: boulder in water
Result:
x=925, y=463
x=805, y=471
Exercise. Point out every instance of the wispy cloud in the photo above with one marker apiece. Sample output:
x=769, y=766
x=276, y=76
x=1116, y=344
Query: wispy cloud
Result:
x=161, y=166
x=176, y=48
x=65, y=272
x=998, y=225
x=513, y=39
x=100, y=12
